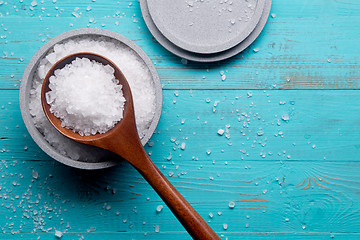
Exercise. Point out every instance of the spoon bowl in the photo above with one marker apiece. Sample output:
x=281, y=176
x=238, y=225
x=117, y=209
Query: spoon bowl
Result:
x=123, y=140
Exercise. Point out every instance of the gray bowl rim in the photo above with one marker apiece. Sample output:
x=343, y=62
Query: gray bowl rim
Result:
x=24, y=93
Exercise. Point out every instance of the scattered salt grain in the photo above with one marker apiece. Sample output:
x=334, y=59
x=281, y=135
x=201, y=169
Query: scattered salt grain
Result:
x=231, y=204
x=75, y=14
x=220, y=132
x=72, y=97
x=285, y=117
x=159, y=208
x=35, y=174
x=58, y=234
x=184, y=61
x=225, y=226
x=260, y=133
x=182, y=146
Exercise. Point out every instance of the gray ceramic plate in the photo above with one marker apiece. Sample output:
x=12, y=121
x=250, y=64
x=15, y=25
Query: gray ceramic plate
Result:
x=204, y=57
x=26, y=84
x=205, y=26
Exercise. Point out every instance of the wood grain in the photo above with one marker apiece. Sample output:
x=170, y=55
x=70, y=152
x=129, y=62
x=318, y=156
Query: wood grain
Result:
x=289, y=179
x=178, y=235
x=116, y=199
x=322, y=125
x=306, y=46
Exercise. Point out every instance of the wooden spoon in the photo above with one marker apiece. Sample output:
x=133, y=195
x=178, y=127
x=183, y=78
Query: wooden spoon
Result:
x=123, y=140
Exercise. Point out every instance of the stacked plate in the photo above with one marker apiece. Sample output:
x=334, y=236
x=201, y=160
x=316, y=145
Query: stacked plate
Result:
x=205, y=30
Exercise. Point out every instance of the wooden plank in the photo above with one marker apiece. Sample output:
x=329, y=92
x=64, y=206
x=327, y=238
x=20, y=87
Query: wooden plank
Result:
x=322, y=125
x=295, y=50
x=269, y=197
x=171, y=235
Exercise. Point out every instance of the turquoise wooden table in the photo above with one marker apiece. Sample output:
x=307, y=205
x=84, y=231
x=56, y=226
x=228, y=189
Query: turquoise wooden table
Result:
x=289, y=158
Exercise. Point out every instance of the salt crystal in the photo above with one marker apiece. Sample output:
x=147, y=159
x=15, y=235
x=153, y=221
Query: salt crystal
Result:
x=231, y=204
x=184, y=61
x=58, y=234
x=33, y=3
x=182, y=146
x=35, y=174
x=225, y=226
x=159, y=208
x=75, y=14
x=256, y=50
x=285, y=117
x=260, y=133
x=220, y=132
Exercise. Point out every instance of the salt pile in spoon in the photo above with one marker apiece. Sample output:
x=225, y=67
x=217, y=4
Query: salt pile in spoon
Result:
x=86, y=97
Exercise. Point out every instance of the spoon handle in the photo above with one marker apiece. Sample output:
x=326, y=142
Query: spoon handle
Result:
x=185, y=213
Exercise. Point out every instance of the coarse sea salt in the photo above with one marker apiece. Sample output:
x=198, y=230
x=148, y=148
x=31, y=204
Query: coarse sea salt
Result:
x=71, y=97
x=131, y=65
